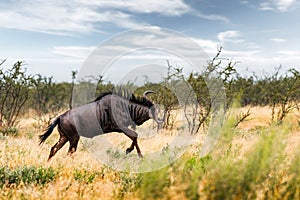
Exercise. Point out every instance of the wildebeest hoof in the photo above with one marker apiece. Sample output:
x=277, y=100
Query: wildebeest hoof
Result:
x=141, y=155
x=128, y=150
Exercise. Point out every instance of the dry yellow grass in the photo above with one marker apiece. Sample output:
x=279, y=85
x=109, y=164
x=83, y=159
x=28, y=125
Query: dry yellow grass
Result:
x=24, y=151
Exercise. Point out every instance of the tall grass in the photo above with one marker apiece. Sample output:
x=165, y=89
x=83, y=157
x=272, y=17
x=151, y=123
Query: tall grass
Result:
x=263, y=172
x=256, y=162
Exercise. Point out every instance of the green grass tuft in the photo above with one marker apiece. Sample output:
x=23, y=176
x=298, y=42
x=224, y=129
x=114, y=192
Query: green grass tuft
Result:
x=27, y=175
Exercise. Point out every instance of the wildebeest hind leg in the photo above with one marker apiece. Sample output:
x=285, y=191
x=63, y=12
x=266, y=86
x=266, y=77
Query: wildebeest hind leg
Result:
x=73, y=145
x=61, y=142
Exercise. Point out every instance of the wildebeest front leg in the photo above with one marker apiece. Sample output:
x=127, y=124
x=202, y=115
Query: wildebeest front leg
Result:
x=133, y=136
x=128, y=150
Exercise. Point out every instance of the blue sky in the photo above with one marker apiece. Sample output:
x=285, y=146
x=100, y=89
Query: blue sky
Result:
x=55, y=37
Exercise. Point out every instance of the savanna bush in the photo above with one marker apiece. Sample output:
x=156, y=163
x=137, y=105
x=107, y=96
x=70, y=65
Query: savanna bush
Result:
x=27, y=175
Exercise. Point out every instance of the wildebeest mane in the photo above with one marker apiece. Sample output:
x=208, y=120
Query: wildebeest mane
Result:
x=126, y=94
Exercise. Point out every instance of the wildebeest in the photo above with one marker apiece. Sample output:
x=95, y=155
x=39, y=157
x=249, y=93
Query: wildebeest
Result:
x=113, y=112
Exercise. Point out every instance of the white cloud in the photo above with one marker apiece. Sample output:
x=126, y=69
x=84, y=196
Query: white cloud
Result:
x=69, y=17
x=244, y=2
x=278, y=40
x=284, y=5
x=165, y=7
x=209, y=46
x=63, y=17
x=80, y=52
x=136, y=42
x=266, y=6
x=249, y=61
x=133, y=42
x=278, y=5
x=213, y=17
x=253, y=59
x=289, y=53
x=230, y=36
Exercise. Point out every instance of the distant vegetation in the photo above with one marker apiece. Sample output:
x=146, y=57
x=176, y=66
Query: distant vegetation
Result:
x=21, y=92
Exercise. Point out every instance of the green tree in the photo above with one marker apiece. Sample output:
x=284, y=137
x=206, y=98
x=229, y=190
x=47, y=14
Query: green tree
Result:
x=15, y=86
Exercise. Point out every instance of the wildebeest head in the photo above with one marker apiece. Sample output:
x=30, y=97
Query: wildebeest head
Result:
x=153, y=112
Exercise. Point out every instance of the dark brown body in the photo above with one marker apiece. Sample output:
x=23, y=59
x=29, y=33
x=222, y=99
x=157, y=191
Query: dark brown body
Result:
x=108, y=113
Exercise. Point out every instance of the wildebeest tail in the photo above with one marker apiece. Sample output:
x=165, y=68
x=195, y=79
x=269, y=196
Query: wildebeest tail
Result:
x=49, y=131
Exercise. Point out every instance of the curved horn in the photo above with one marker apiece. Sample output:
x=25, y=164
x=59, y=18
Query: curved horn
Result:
x=147, y=92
